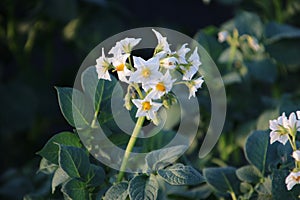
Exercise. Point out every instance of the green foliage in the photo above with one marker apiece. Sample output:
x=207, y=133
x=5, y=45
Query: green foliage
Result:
x=74, y=161
x=74, y=107
x=51, y=149
x=143, y=187
x=262, y=155
x=158, y=159
x=223, y=180
x=59, y=177
x=249, y=174
x=179, y=174
x=75, y=189
x=117, y=192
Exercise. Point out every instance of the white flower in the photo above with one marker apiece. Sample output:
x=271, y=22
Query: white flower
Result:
x=102, y=67
x=253, y=43
x=194, y=85
x=162, y=86
x=162, y=45
x=222, y=36
x=292, y=179
x=146, y=108
x=147, y=71
x=119, y=62
x=124, y=46
x=291, y=124
x=168, y=62
x=278, y=131
x=298, y=115
x=181, y=54
x=296, y=155
x=190, y=70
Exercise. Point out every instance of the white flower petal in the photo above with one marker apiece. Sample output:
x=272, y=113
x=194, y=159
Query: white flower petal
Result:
x=273, y=124
x=222, y=36
x=290, y=185
x=124, y=46
x=162, y=45
x=274, y=136
x=283, y=139
x=296, y=155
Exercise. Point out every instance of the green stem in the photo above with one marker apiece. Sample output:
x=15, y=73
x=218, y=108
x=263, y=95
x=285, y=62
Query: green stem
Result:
x=231, y=56
x=93, y=124
x=232, y=194
x=137, y=88
x=294, y=147
x=130, y=145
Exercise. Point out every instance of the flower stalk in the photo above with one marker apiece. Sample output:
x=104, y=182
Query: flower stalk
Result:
x=130, y=145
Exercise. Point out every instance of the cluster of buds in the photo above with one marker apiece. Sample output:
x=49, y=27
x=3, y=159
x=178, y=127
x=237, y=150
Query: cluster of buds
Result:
x=284, y=129
x=235, y=39
x=150, y=82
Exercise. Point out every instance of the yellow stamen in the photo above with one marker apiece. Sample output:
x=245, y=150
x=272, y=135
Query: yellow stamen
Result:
x=146, y=105
x=160, y=87
x=297, y=179
x=146, y=73
x=120, y=67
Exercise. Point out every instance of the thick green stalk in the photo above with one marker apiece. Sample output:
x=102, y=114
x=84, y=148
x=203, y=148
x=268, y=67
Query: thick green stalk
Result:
x=130, y=145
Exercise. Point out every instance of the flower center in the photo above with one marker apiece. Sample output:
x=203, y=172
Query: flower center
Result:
x=146, y=105
x=160, y=87
x=281, y=130
x=296, y=178
x=146, y=73
x=120, y=67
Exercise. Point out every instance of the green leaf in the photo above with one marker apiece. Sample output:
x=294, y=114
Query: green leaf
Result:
x=222, y=179
x=225, y=56
x=259, y=69
x=259, y=152
x=283, y=43
x=75, y=107
x=210, y=43
x=200, y=192
x=249, y=174
x=159, y=159
x=74, y=161
x=96, y=176
x=60, y=176
x=50, y=150
x=100, y=92
x=75, y=190
x=242, y=21
x=275, y=31
x=117, y=192
x=265, y=117
x=279, y=190
x=143, y=187
x=231, y=77
x=179, y=174
x=264, y=190
x=285, y=51
x=47, y=167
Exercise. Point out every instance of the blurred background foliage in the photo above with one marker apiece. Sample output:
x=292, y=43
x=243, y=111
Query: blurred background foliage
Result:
x=43, y=42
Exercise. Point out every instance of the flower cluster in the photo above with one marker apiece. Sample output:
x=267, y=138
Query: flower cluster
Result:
x=150, y=81
x=285, y=129
x=235, y=38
